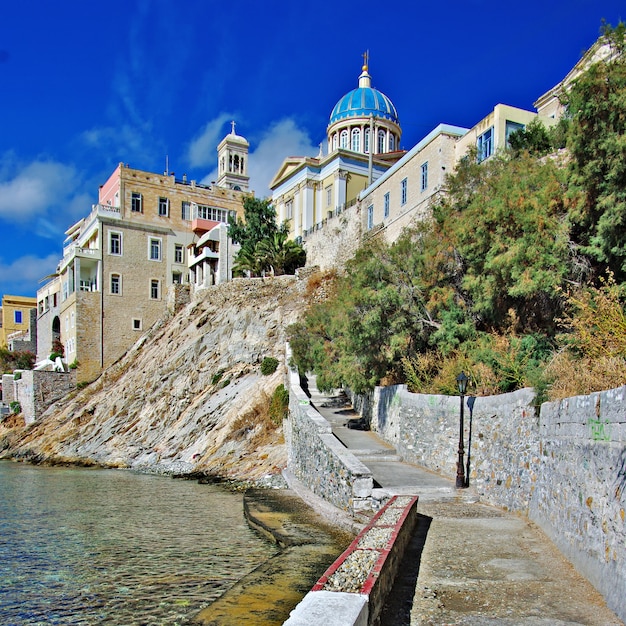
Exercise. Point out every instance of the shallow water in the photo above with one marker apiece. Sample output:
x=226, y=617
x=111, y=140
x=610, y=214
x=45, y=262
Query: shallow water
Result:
x=91, y=546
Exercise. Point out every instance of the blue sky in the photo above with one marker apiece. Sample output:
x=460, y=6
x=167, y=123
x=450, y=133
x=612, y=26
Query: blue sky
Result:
x=87, y=84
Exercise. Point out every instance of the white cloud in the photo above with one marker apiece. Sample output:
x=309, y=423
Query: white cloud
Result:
x=34, y=189
x=27, y=270
x=282, y=139
x=202, y=149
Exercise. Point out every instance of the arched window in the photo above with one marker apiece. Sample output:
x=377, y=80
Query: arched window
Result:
x=343, y=140
x=392, y=143
x=335, y=141
x=356, y=140
x=366, y=147
x=381, y=141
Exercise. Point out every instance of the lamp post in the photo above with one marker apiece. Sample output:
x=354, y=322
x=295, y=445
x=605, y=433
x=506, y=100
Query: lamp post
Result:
x=461, y=381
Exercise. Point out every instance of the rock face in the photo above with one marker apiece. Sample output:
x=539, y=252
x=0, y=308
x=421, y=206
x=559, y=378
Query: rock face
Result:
x=188, y=397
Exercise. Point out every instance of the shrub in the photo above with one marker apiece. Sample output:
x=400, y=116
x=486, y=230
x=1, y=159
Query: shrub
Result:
x=74, y=364
x=217, y=377
x=279, y=405
x=55, y=355
x=15, y=407
x=269, y=365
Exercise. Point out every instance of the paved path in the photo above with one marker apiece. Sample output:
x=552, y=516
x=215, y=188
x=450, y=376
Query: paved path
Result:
x=469, y=564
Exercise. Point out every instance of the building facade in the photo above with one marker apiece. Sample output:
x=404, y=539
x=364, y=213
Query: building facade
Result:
x=120, y=261
x=15, y=318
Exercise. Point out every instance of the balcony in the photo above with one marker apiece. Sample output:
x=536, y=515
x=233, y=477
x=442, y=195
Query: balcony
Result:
x=204, y=254
x=200, y=225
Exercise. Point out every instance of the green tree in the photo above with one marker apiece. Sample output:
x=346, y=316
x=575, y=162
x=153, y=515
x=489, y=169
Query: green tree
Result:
x=596, y=104
x=265, y=245
x=535, y=139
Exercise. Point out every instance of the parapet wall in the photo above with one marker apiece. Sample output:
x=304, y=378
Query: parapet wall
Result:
x=565, y=469
x=318, y=460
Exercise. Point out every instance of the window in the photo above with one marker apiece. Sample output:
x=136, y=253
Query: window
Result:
x=366, y=141
x=510, y=128
x=177, y=278
x=386, y=205
x=335, y=141
x=186, y=210
x=289, y=209
x=329, y=196
x=370, y=217
x=154, y=289
x=424, y=176
x=343, y=139
x=392, y=143
x=164, y=207
x=381, y=141
x=179, y=253
x=211, y=213
x=485, y=145
x=403, y=187
x=17, y=317
x=116, y=285
x=115, y=243
x=154, y=252
x=136, y=202
x=136, y=324
x=356, y=140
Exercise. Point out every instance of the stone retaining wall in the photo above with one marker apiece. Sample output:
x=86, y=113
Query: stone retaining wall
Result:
x=565, y=468
x=318, y=460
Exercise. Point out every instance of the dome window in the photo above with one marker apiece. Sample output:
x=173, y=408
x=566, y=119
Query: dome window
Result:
x=381, y=141
x=356, y=140
x=343, y=140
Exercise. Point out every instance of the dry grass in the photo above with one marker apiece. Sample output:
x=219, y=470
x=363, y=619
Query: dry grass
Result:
x=574, y=376
x=256, y=425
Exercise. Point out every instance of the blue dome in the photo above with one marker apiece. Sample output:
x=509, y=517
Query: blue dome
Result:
x=362, y=101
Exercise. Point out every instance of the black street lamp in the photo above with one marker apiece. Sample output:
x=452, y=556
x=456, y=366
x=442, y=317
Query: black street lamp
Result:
x=461, y=381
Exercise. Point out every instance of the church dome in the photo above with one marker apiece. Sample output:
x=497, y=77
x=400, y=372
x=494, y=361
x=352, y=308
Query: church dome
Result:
x=363, y=101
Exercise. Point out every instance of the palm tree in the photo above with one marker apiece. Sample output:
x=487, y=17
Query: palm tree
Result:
x=279, y=254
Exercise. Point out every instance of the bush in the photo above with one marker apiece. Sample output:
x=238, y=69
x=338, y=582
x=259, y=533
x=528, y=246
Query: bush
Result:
x=15, y=407
x=217, y=377
x=279, y=405
x=269, y=365
x=55, y=355
x=74, y=364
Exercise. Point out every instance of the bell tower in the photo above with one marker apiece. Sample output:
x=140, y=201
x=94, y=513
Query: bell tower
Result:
x=232, y=160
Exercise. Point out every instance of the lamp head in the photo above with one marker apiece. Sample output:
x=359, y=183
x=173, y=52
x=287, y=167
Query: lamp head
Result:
x=461, y=381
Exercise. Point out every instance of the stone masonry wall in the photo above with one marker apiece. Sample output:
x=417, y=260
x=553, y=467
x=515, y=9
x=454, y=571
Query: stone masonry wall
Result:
x=319, y=460
x=334, y=243
x=565, y=470
x=37, y=390
x=580, y=495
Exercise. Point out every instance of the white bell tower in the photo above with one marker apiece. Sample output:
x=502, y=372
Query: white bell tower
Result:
x=232, y=162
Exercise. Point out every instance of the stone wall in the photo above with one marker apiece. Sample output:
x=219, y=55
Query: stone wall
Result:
x=36, y=390
x=335, y=241
x=318, y=460
x=565, y=469
x=580, y=495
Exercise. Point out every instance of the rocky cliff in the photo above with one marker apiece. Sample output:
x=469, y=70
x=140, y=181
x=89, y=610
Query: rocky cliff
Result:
x=188, y=397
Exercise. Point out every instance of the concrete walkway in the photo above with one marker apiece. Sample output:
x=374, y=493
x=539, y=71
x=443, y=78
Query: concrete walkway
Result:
x=469, y=563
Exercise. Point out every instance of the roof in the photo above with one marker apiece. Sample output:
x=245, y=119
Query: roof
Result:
x=363, y=101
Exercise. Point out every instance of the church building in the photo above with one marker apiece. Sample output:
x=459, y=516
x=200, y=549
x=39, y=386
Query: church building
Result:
x=363, y=141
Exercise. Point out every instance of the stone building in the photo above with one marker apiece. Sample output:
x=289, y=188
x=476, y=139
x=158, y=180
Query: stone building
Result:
x=363, y=138
x=144, y=236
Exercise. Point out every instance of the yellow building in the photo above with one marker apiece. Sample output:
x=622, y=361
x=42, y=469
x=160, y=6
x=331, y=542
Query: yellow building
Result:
x=15, y=317
x=363, y=137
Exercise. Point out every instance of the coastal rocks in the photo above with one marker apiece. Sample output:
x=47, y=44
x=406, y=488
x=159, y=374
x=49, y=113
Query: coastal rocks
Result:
x=188, y=397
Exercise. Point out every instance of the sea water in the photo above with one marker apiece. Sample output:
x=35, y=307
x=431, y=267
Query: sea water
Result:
x=93, y=546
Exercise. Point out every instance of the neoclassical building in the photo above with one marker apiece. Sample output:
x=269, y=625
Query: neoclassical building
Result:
x=362, y=138
x=148, y=234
